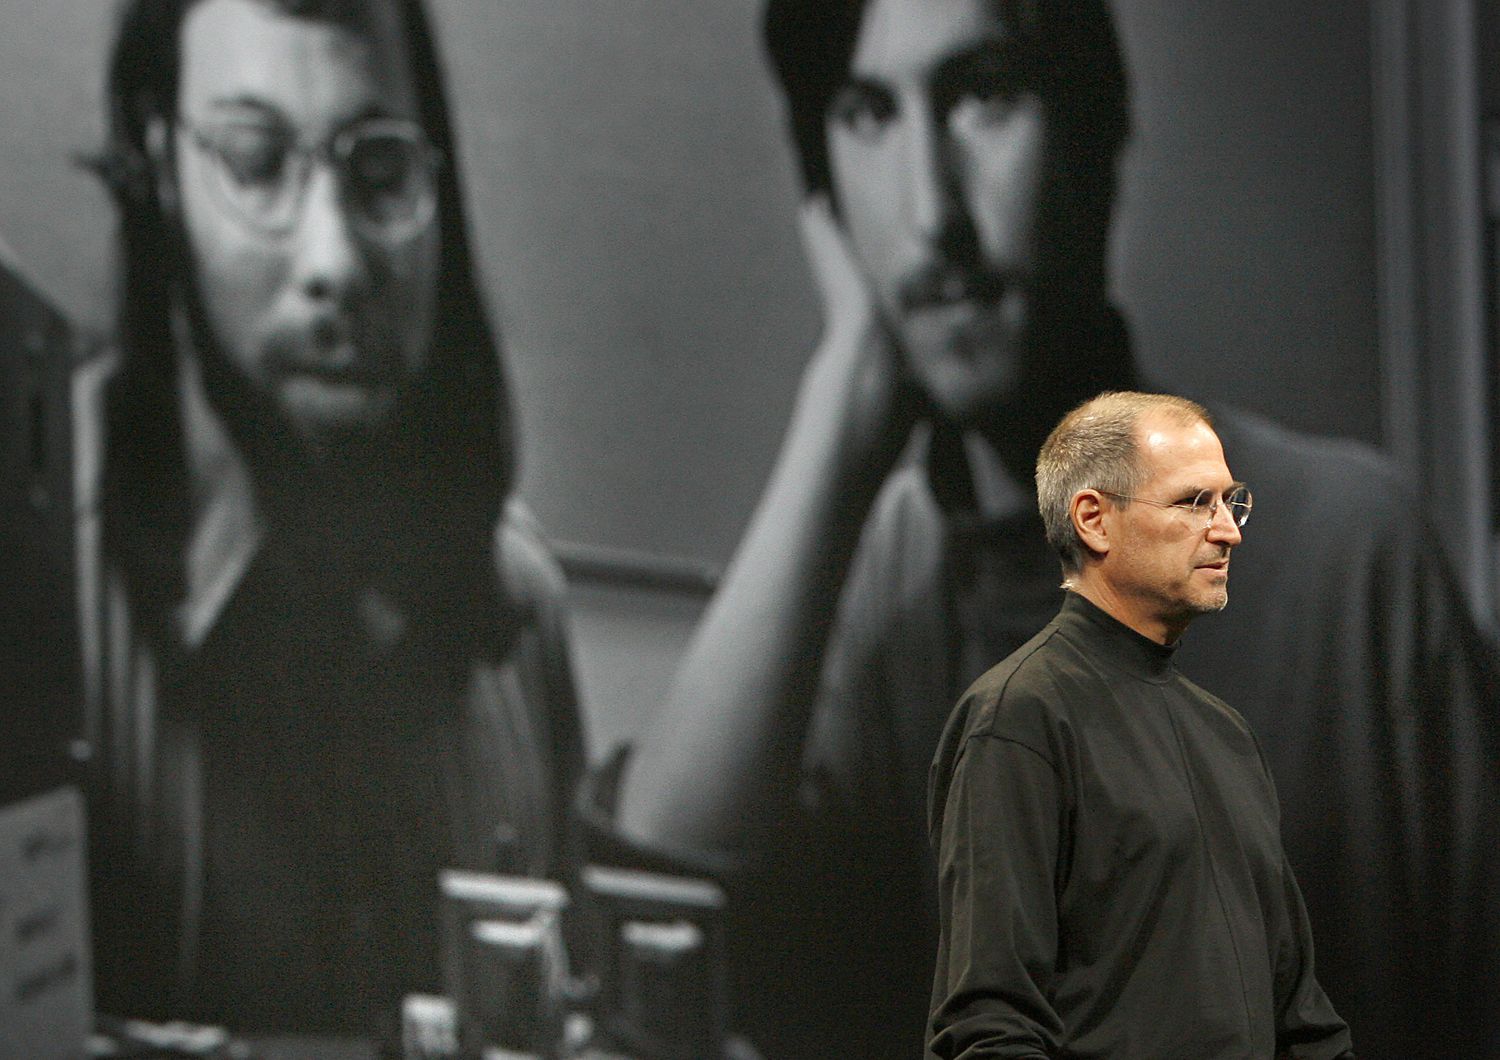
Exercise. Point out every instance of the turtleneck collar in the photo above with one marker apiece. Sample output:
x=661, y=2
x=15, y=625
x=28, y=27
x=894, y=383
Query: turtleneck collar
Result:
x=1108, y=638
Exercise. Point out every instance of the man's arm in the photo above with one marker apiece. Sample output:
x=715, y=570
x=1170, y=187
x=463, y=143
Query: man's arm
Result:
x=717, y=767
x=997, y=837
x=1307, y=1027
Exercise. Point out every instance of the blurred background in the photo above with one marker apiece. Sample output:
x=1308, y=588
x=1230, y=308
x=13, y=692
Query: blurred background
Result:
x=1307, y=228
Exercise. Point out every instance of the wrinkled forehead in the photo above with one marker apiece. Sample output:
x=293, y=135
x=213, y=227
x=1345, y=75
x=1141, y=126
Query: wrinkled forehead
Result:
x=1178, y=453
x=304, y=58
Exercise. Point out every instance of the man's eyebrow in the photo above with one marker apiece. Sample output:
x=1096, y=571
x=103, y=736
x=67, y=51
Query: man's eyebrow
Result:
x=244, y=102
x=266, y=109
x=1192, y=490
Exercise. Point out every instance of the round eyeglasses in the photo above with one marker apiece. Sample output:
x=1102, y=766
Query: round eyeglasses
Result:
x=386, y=171
x=1204, y=506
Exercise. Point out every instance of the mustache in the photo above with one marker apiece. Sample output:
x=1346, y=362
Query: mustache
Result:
x=944, y=283
x=324, y=345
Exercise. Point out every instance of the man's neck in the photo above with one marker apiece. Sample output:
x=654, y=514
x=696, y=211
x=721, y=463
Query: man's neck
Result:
x=1126, y=610
x=321, y=509
x=1081, y=354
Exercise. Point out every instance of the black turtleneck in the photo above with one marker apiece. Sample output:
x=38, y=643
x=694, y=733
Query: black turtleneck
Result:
x=1111, y=875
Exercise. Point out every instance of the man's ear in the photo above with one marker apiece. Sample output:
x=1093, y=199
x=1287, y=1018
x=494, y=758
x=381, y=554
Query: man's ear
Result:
x=1087, y=512
x=162, y=169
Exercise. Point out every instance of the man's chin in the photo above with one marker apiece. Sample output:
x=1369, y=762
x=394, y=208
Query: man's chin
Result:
x=1211, y=602
x=969, y=398
x=332, y=420
x=968, y=377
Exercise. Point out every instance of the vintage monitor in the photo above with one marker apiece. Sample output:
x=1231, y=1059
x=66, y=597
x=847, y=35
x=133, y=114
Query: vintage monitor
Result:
x=40, y=662
x=46, y=988
x=663, y=964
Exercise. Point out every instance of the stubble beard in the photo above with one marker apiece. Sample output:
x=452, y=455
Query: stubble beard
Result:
x=1216, y=600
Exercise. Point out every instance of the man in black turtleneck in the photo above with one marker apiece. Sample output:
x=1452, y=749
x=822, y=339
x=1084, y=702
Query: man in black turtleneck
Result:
x=1111, y=876
x=959, y=157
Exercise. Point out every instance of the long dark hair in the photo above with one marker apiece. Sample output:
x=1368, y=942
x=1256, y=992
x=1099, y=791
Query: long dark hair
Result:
x=452, y=461
x=1069, y=46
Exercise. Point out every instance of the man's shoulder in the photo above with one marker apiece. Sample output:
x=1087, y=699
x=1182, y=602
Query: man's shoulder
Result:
x=1303, y=485
x=527, y=570
x=895, y=581
x=1018, y=698
x=1015, y=701
x=1293, y=465
x=906, y=515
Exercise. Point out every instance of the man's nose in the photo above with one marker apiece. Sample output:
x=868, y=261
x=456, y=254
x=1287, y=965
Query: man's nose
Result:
x=329, y=258
x=1222, y=528
x=934, y=202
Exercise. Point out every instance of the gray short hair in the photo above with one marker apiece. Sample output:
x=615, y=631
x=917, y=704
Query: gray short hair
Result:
x=1093, y=447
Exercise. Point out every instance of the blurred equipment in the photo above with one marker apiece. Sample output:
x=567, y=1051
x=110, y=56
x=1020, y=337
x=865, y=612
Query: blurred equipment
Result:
x=664, y=963
x=40, y=663
x=657, y=992
x=46, y=977
x=504, y=962
x=429, y=1028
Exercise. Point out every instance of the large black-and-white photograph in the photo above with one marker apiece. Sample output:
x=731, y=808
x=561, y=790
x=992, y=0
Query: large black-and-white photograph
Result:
x=731, y=529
